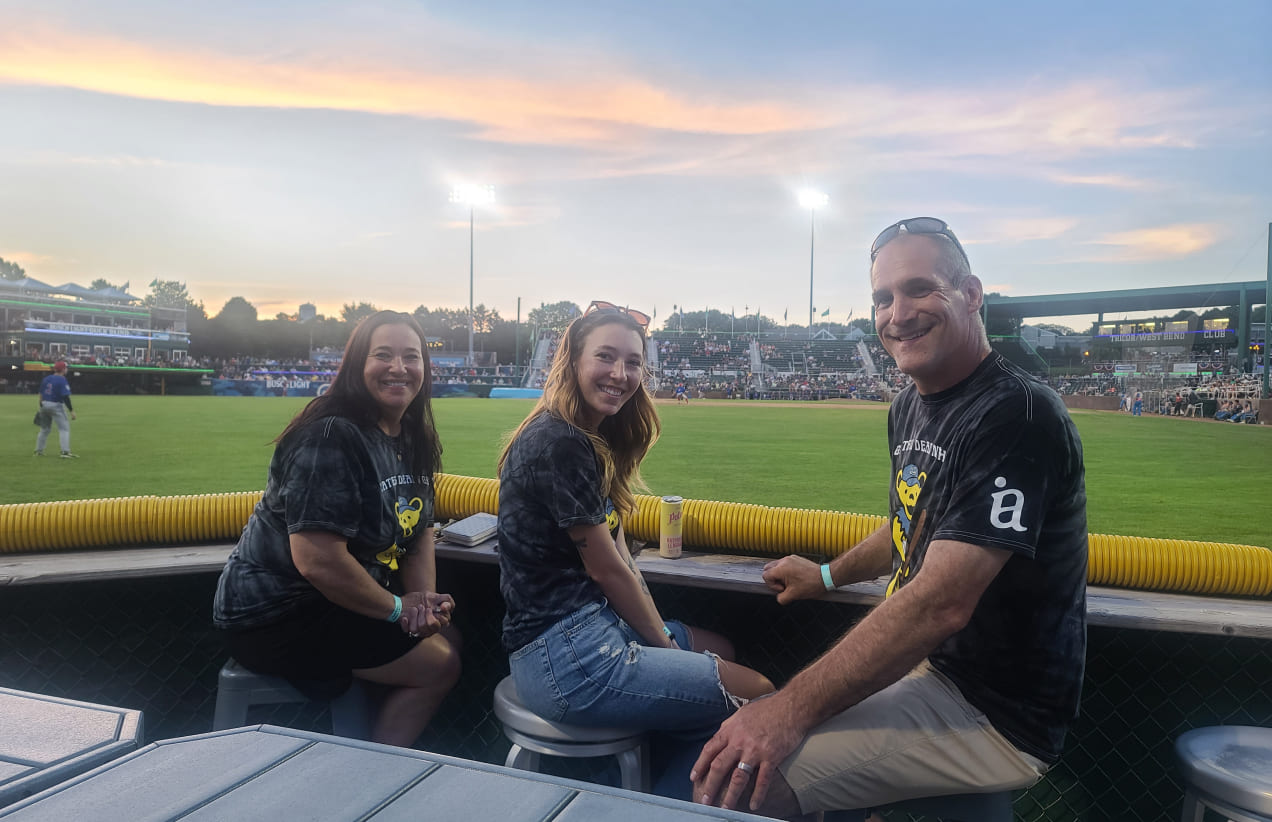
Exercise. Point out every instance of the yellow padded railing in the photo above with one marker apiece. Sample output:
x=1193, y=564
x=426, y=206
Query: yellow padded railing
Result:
x=1121, y=561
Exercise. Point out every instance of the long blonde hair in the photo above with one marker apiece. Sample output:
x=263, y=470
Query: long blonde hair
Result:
x=621, y=440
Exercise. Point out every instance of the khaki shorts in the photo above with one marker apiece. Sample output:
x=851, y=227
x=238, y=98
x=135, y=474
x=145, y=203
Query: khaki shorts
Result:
x=918, y=737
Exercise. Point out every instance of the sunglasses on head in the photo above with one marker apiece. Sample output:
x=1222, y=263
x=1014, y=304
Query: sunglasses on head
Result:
x=602, y=307
x=916, y=225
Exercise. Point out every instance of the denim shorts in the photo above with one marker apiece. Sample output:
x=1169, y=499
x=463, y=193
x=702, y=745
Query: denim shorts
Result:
x=591, y=669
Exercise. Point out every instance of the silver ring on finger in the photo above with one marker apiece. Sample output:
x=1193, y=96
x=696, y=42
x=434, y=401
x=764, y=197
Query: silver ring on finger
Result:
x=745, y=767
x=413, y=635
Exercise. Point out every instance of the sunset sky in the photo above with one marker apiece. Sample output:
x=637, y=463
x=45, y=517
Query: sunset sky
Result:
x=643, y=153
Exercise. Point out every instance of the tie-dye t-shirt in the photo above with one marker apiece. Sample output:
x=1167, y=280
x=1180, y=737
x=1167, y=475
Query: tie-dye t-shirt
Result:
x=996, y=461
x=331, y=475
x=550, y=482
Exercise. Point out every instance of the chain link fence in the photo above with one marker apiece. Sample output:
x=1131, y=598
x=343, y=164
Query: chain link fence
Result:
x=149, y=644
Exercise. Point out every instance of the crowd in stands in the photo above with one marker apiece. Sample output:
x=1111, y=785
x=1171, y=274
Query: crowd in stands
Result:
x=156, y=360
x=721, y=364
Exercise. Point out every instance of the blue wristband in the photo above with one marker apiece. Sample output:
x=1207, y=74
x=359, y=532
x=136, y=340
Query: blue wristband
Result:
x=397, y=609
x=827, y=580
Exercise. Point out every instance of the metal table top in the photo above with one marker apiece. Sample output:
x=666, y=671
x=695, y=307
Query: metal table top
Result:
x=45, y=740
x=264, y=772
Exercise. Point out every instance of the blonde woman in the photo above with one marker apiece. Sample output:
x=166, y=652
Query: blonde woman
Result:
x=586, y=641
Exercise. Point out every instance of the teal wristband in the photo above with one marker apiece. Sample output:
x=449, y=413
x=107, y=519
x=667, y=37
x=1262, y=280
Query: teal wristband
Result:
x=827, y=580
x=397, y=609
x=666, y=631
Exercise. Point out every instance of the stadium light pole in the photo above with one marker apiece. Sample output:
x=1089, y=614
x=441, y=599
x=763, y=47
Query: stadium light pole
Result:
x=1267, y=322
x=811, y=200
x=471, y=196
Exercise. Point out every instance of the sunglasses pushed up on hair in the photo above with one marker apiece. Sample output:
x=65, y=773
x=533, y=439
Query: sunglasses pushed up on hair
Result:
x=603, y=307
x=916, y=225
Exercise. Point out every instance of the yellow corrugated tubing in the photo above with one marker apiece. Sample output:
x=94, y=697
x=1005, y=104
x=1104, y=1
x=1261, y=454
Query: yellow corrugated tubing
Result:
x=1126, y=562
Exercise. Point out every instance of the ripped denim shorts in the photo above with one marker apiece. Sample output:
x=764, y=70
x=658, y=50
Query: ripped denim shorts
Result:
x=591, y=669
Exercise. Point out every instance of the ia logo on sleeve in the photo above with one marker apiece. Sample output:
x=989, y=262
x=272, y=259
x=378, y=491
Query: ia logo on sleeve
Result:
x=1007, y=508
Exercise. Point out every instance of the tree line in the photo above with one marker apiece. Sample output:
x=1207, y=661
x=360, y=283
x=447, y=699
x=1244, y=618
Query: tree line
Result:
x=237, y=330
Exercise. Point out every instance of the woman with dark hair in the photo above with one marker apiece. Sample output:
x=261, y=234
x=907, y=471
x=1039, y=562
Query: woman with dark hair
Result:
x=334, y=575
x=587, y=644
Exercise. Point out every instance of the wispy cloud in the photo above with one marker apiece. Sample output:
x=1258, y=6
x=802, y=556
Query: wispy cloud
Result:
x=616, y=109
x=1024, y=229
x=27, y=259
x=504, y=107
x=1160, y=243
x=1120, y=181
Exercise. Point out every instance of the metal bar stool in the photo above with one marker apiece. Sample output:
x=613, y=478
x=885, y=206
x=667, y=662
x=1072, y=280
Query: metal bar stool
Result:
x=532, y=735
x=238, y=689
x=1229, y=769
x=965, y=807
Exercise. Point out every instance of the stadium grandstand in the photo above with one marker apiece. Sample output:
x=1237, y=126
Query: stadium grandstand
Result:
x=115, y=342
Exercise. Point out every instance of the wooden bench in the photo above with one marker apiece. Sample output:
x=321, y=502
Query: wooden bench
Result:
x=1107, y=607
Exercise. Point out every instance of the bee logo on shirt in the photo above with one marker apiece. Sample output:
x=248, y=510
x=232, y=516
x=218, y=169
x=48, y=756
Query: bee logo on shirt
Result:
x=408, y=514
x=612, y=520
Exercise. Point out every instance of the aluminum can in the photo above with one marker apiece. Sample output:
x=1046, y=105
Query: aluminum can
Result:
x=669, y=526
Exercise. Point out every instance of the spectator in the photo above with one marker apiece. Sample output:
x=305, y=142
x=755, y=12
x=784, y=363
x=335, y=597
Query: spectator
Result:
x=333, y=576
x=966, y=677
x=566, y=574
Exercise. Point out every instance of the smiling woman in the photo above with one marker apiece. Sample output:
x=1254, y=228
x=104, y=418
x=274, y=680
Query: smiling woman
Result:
x=587, y=644
x=334, y=575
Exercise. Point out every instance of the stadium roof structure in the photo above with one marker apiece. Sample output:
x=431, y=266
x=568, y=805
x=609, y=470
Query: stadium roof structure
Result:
x=1207, y=295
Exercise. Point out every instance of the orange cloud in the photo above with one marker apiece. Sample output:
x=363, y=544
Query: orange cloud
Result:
x=1161, y=243
x=510, y=108
x=27, y=259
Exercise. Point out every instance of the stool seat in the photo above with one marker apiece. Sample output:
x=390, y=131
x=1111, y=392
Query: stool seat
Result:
x=532, y=735
x=1227, y=768
x=513, y=713
x=965, y=807
x=239, y=688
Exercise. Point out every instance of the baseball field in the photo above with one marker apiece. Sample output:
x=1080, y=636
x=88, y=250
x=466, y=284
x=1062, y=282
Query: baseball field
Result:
x=1151, y=476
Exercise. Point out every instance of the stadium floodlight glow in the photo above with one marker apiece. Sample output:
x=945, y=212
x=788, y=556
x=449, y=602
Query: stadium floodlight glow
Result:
x=808, y=198
x=472, y=196
x=811, y=200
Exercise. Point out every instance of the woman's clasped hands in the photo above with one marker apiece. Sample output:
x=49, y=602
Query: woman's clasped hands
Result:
x=425, y=613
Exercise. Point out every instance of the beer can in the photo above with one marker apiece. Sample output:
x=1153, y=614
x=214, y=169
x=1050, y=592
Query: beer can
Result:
x=669, y=526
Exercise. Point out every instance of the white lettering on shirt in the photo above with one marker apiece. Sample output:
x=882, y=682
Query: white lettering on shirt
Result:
x=922, y=446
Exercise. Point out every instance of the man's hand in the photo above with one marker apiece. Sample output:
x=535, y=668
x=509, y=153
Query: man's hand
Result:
x=761, y=734
x=793, y=578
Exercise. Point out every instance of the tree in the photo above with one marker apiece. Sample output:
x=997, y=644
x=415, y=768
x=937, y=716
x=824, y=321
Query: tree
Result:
x=354, y=314
x=555, y=316
x=237, y=311
x=168, y=294
x=101, y=283
x=1058, y=330
x=10, y=271
x=864, y=323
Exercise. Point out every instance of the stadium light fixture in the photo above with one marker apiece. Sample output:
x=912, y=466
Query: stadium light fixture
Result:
x=472, y=196
x=811, y=200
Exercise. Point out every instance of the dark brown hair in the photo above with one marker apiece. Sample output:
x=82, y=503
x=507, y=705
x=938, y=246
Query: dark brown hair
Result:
x=348, y=396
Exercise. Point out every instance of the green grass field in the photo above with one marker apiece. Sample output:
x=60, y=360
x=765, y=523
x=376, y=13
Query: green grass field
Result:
x=1146, y=476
